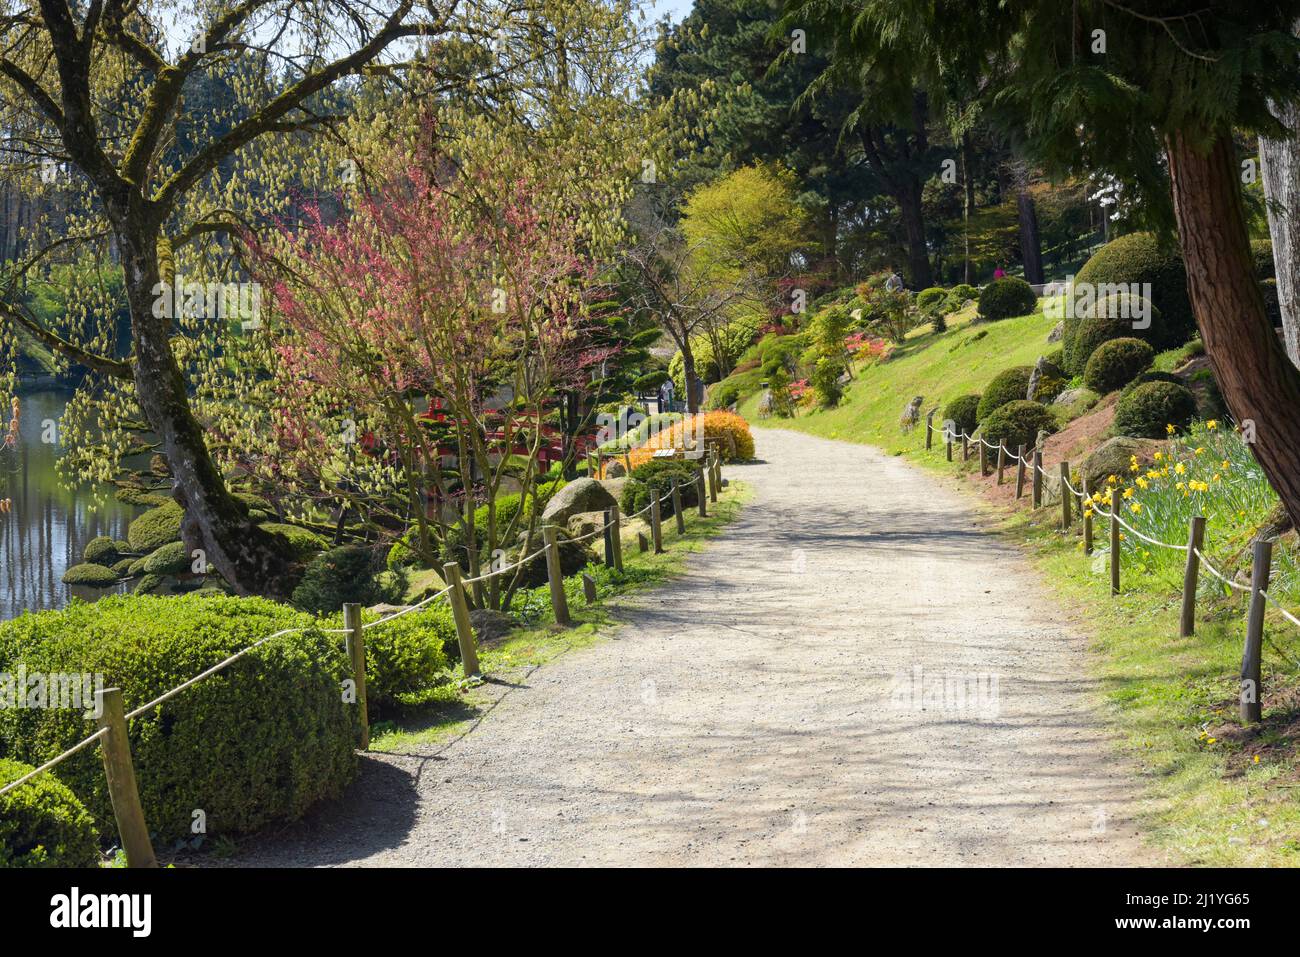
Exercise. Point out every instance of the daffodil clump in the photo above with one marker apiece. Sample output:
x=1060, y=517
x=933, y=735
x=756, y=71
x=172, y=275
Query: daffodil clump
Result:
x=1208, y=470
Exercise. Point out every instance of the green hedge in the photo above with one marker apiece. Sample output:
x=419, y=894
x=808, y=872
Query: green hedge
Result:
x=256, y=743
x=1140, y=258
x=1103, y=322
x=934, y=297
x=1007, y=297
x=655, y=477
x=1009, y=385
x=1151, y=407
x=42, y=824
x=350, y=573
x=1018, y=423
x=407, y=655
x=1116, y=363
x=962, y=412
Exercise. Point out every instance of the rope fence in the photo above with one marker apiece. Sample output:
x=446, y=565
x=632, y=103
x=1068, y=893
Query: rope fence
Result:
x=1083, y=499
x=118, y=765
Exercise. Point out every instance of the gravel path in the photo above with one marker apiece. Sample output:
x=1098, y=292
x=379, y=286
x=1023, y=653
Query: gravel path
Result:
x=775, y=706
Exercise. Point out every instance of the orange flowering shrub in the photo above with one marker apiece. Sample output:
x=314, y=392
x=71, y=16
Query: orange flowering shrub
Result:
x=730, y=430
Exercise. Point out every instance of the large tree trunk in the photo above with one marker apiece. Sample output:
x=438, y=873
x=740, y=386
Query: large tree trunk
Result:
x=968, y=206
x=1031, y=245
x=1280, y=171
x=251, y=560
x=1258, y=381
x=688, y=375
x=908, y=197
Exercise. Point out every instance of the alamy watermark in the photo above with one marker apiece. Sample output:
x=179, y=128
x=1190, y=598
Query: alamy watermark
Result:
x=1128, y=300
x=40, y=690
x=211, y=300
x=966, y=693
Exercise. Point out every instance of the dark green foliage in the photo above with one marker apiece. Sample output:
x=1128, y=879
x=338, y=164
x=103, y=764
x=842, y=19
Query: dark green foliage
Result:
x=1007, y=297
x=1116, y=363
x=156, y=528
x=1018, y=423
x=1009, y=385
x=407, y=655
x=90, y=575
x=1152, y=375
x=962, y=413
x=655, y=478
x=1147, y=410
x=1109, y=318
x=933, y=298
x=42, y=824
x=959, y=294
x=100, y=551
x=351, y=573
x=1140, y=258
x=172, y=559
x=258, y=742
x=302, y=543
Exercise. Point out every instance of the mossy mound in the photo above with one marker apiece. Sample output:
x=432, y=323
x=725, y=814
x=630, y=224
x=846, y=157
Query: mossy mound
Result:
x=171, y=559
x=156, y=528
x=90, y=575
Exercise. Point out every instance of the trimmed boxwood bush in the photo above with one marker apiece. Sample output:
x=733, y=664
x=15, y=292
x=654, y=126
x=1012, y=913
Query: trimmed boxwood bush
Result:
x=958, y=295
x=1009, y=385
x=1007, y=297
x=655, y=477
x=1018, y=423
x=407, y=655
x=258, y=742
x=1152, y=375
x=100, y=551
x=1139, y=258
x=1148, y=409
x=155, y=528
x=930, y=298
x=961, y=412
x=350, y=573
x=90, y=575
x=42, y=824
x=1116, y=363
x=1103, y=322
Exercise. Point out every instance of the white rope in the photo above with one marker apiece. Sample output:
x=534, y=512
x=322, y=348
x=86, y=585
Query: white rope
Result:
x=1145, y=538
x=1219, y=575
x=1285, y=614
x=397, y=614
x=53, y=761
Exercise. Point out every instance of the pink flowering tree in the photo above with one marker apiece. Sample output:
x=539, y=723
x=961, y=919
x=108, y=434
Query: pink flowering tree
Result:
x=424, y=342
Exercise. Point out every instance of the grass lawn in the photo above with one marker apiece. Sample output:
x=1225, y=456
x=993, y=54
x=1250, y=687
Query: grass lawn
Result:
x=1223, y=795
x=452, y=711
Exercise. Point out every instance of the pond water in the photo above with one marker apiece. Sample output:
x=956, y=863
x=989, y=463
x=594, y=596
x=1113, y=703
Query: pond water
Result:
x=48, y=525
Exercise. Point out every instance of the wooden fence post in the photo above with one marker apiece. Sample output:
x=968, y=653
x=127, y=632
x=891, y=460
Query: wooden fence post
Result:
x=642, y=543
x=616, y=536
x=699, y=494
x=656, y=528
x=355, y=643
x=965, y=446
x=555, y=575
x=460, y=614
x=1020, y=472
x=608, y=540
x=1002, y=458
x=1114, y=540
x=1066, y=495
x=929, y=430
x=589, y=588
x=947, y=444
x=713, y=480
x=1191, y=576
x=1086, y=509
x=1252, y=687
x=984, y=459
x=120, y=772
x=1038, y=478
x=677, y=508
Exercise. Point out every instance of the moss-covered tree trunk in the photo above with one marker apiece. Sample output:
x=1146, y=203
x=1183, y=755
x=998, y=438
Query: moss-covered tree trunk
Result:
x=251, y=560
x=1257, y=379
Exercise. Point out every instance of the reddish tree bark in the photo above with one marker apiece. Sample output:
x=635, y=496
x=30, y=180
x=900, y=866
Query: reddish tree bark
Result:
x=1258, y=381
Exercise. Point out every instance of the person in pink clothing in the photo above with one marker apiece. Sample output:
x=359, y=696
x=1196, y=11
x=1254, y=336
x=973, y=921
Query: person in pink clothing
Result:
x=999, y=273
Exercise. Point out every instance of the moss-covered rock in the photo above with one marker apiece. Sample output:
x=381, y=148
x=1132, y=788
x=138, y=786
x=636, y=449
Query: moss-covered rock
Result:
x=100, y=551
x=149, y=585
x=90, y=575
x=1114, y=457
x=156, y=528
x=122, y=567
x=302, y=542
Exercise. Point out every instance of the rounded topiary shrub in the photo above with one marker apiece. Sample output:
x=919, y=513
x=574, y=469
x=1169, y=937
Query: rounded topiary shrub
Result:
x=1148, y=410
x=655, y=478
x=407, y=656
x=100, y=551
x=1009, y=385
x=961, y=412
x=1139, y=258
x=258, y=742
x=959, y=294
x=1007, y=297
x=1018, y=423
x=934, y=297
x=1152, y=375
x=90, y=575
x=155, y=528
x=1116, y=363
x=42, y=824
x=1114, y=317
x=171, y=559
x=350, y=573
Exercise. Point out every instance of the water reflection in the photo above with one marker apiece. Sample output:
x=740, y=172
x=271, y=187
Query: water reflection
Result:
x=48, y=526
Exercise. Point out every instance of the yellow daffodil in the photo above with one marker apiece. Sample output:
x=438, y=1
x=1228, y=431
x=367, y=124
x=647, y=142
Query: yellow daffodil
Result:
x=1142, y=483
x=1169, y=430
x=1212, y=424
x=1179, y=469
x=1128, y=493
x=1112, y=479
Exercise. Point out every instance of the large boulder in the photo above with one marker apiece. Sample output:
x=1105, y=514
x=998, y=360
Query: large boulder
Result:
x=1113, y=457
x=580, y=495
